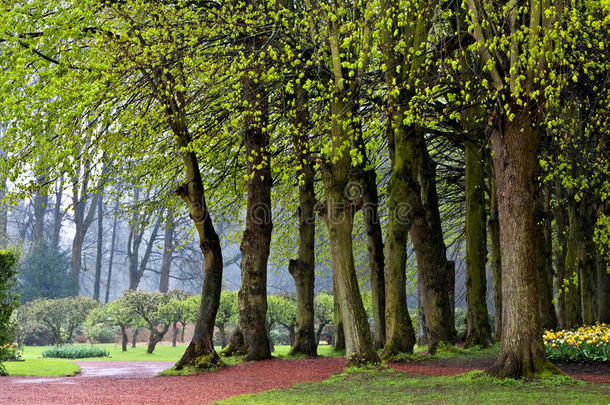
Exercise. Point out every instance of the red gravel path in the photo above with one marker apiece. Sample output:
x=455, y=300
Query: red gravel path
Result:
x=201, y=389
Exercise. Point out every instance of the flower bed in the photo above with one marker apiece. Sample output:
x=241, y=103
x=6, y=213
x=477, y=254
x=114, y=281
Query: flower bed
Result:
x=75, y=352
x=10, y=352
x=585, y=344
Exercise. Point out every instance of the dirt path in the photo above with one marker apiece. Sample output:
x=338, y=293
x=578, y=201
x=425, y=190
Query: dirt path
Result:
x=95, y=386
x=135, y=382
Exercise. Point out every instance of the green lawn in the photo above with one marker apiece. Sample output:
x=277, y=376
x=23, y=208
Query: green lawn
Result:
x=33, y=367
x=385, y=386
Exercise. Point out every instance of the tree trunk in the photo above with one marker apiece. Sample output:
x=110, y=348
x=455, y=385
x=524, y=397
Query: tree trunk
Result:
x=40, y=208
x=100, y=245
x=124, y=338
x=168, y=247
x=338, y=330
x=58, y=213
x=256, y=241
x=603, y=288
x=421, y=319
x=200, y=351
x=522, y=351
x=495, y=259
x=76, y=258
x=560, y=214
x=3, y=214
x=303, y=268
x=109, y=277
x=175, y=333
x=577, y=257
x=223, y=336
x=544, y=264
x=134, y=337
x=477, y=321
x=319, y=332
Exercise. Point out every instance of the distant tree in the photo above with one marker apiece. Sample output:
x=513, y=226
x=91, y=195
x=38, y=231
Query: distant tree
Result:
x=8, y=297
x=44, y=273
x=323, y=307
x=60, y=316
x=227, y=314
x=121, y=316
x=179, y=310
x=146, y=305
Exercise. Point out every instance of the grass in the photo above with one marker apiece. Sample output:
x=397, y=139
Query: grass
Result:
x=41, y=368
x=383, y=386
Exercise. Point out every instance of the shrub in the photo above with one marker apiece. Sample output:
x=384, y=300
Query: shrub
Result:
x=75, y=352
x=102, y=334
x=585, y=344
x=10, y=352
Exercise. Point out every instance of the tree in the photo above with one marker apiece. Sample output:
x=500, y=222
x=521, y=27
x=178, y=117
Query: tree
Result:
x=8, y=297
x=44, y=273
x=282, y=310
x=323, y=308
x=122, y=316
x=148, y=305
x=60, y=316
x=180, y=309
x=227, y=314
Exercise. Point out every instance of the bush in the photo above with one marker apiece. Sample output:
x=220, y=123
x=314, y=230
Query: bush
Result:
x=10, y=352
x=101, y=334
x=585, y=344
x=75, y=352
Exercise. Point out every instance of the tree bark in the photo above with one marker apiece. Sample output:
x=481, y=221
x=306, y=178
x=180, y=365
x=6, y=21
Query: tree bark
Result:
x=100, y=245
x=134, y=337
x=223, y=336
x=3, y=214
x=303, y=268
x=168, y=247
x=514, y=144
x=110, y=260
x=560, y=214
x=544, y=264
x=477, y=320
x=124, y=338
x=175, y=333
x=577, y=257
x=155, y=337
x=256, y=241
x=40, y=208
x=58, y=213
x=338, y=330
x=495, y=259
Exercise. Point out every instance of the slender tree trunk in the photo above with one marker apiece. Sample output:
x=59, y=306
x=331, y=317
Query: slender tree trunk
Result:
x=522, y=351
x=3, y=214
x=577, y=257
x=319, y=332
x=100, y=245
x=560, y=214
x=58, y=213
x=256, y=241
x=223, y=336
x=109, y=277
x=124, y=338
x=338, y=330
x=40, y=208
x=302, y=269
x=603, y=288
x=76, y=258
x=495, y=259
x=546, y=309
x=477, y=321
x=168, y=247
x=422, y=339
x=155, y=337
x=175, y=333
x=134, y=337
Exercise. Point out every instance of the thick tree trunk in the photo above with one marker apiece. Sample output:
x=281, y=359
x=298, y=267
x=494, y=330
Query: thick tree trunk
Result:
x=256, y=241
x=168, y=248
x=522, y=351
x=495, y=259
x=99, y=248
x=477, y=321
x=544, y=265
x=400, y=336
x=303, y=268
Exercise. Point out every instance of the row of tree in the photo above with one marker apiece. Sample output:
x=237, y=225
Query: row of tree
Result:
x=368, y=109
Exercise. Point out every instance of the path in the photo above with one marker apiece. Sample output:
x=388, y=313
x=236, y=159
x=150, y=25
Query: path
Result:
x=127, y=388
x=102, y=382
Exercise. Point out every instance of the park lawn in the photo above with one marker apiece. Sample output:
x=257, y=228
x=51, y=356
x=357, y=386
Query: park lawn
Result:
x=161, y=353
x=41, y=368
x=385, y=386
